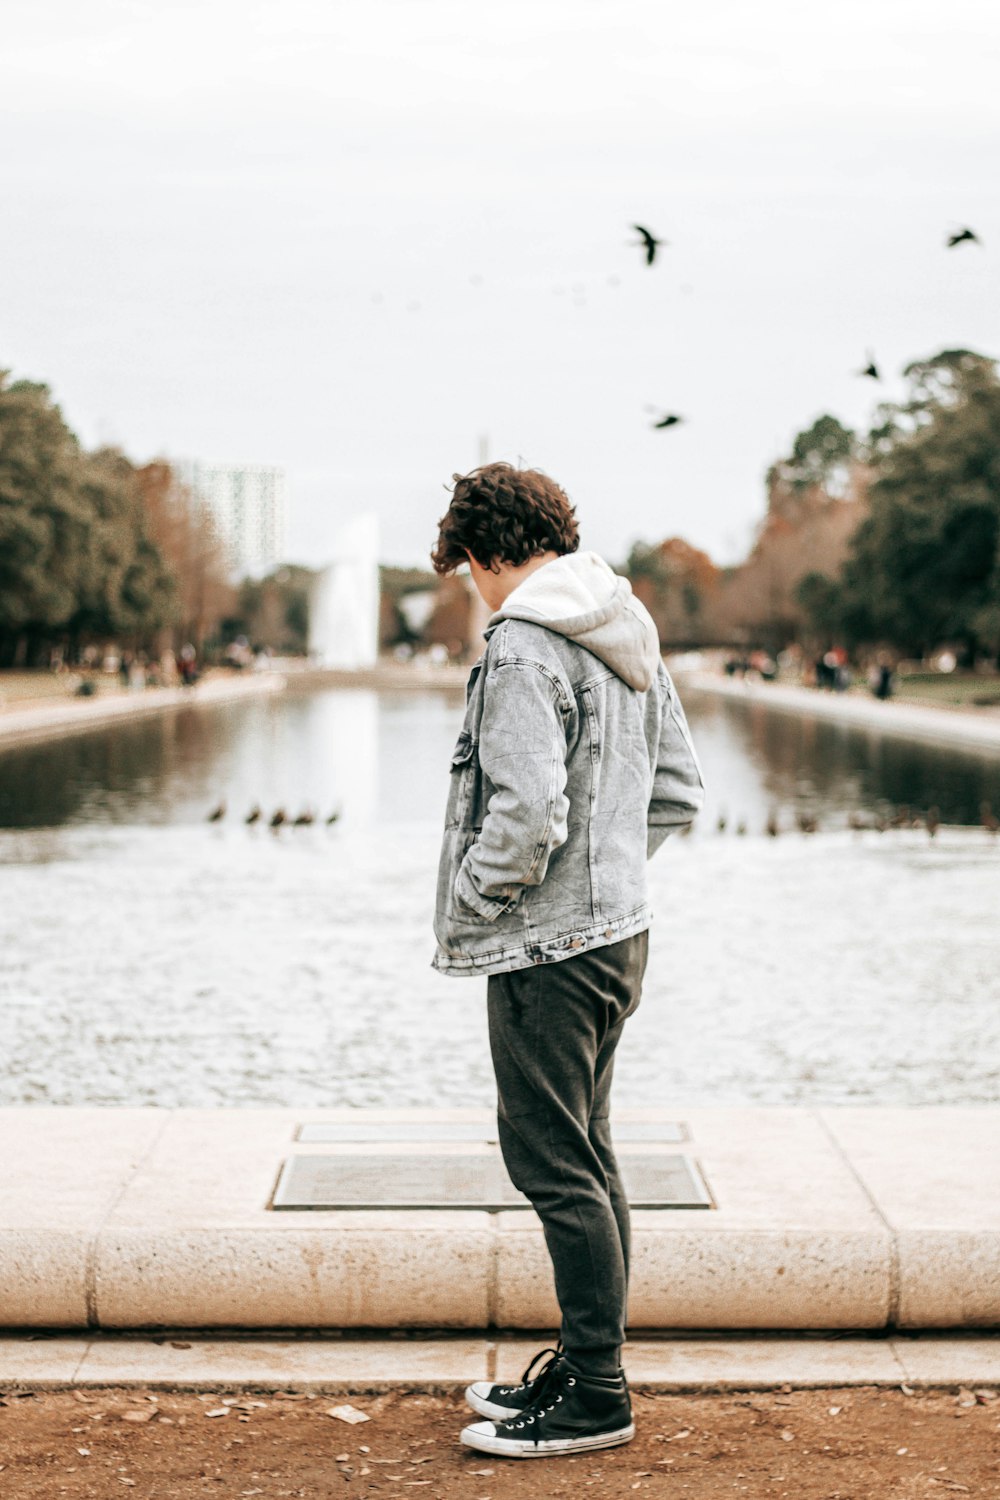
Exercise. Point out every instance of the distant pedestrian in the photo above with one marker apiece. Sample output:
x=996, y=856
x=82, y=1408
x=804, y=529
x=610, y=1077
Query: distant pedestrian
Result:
x=840, y=676
x=880, y=680
x=573, y=764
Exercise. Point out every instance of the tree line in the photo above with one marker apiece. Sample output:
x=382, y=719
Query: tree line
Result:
x=887, y=539
x=94, y=548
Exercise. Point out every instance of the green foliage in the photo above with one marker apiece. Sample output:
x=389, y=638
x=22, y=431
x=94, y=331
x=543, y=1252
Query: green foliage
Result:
x=75, y=555
x=126, y=587
x=821, y=598
x=925, y=564
x=648, y=563
x=43, y=515
x=936, y=384
x=690, y=598
x=820, y=455
x=273, y=611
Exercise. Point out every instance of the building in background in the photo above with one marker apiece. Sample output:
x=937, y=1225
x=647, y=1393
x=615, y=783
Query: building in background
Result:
x=247, y=506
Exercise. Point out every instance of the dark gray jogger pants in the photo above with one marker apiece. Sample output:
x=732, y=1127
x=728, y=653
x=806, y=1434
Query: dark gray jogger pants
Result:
x=553, y=1033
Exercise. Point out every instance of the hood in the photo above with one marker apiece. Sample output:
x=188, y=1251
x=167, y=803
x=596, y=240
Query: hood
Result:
x=580, y=597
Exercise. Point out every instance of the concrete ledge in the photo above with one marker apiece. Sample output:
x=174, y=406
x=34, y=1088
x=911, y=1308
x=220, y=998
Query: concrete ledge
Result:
x=949, y=726
x=370, y=1366
x=934, y=1175
x=61, y=1171
x=23, y=722
x=836, y=1219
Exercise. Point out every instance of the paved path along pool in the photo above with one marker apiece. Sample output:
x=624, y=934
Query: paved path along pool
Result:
x=833, y=1219
x=25, y=721
x=370, y=1365
x=979, y=728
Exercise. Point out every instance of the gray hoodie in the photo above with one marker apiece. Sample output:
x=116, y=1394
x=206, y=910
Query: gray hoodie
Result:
x=580, y=597
x=574, y=763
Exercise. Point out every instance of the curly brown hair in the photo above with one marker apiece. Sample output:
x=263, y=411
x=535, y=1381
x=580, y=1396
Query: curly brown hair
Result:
x=504, y=515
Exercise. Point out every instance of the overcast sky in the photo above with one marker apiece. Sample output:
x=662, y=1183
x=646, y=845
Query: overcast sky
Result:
x=355, y=239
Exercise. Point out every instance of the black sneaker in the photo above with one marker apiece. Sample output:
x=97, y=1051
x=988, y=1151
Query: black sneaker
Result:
x=502, y=1401
x=575, y=1414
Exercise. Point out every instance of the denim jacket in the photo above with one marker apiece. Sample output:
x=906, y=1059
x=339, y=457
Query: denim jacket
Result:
x=573, y=765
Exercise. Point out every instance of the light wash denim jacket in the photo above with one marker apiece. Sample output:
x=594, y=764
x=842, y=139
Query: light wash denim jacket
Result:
x=574, y=763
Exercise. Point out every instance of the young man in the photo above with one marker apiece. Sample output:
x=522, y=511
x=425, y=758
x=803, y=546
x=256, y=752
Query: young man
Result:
x=573, y=765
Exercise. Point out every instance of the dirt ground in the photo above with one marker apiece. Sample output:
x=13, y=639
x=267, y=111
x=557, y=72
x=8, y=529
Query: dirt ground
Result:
x=856, y=1444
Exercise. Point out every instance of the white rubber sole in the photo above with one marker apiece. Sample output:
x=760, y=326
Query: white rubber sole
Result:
x=485, y=1442
x=490, y=1408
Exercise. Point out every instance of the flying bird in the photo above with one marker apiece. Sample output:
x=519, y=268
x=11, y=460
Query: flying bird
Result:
x=964, y=236
x=871, y=368
x=649, y=243
x=253, y=816
x=278, y=818
x=218, y=813
x=670, y=420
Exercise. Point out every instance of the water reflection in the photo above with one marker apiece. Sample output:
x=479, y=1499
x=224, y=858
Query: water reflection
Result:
x=756, y=759
x=383, y=758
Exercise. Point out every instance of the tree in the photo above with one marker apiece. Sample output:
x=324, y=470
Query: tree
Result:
x=90, y=547
x=820, y=460
x=273, y=611
x=184, y=534
x=815, y=500
x=43, y=519
x=822, y=600
x=924, y=567
x=126, y=589
x=678, y=584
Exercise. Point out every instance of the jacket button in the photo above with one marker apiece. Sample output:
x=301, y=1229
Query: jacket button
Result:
x=609, y=932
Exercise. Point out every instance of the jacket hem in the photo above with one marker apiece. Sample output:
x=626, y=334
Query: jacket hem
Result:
x=545, y=950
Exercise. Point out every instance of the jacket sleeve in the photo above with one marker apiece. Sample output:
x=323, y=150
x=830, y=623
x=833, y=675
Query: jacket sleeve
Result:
x=522, y=752
x=678, y=786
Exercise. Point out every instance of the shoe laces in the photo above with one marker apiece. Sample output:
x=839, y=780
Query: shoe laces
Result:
x=536, y=1412
x=543, y=1374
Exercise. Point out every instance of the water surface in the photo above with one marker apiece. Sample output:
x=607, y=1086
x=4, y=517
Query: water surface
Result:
x=151, y=958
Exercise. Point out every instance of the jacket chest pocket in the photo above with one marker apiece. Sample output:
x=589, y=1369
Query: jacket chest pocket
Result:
x=464, y=776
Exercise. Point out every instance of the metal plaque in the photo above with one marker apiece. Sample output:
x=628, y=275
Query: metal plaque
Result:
x=477, y=1181
x=331, y=1132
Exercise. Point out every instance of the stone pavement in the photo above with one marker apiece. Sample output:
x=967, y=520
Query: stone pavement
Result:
x=834, y=1219
x=180, y=1362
